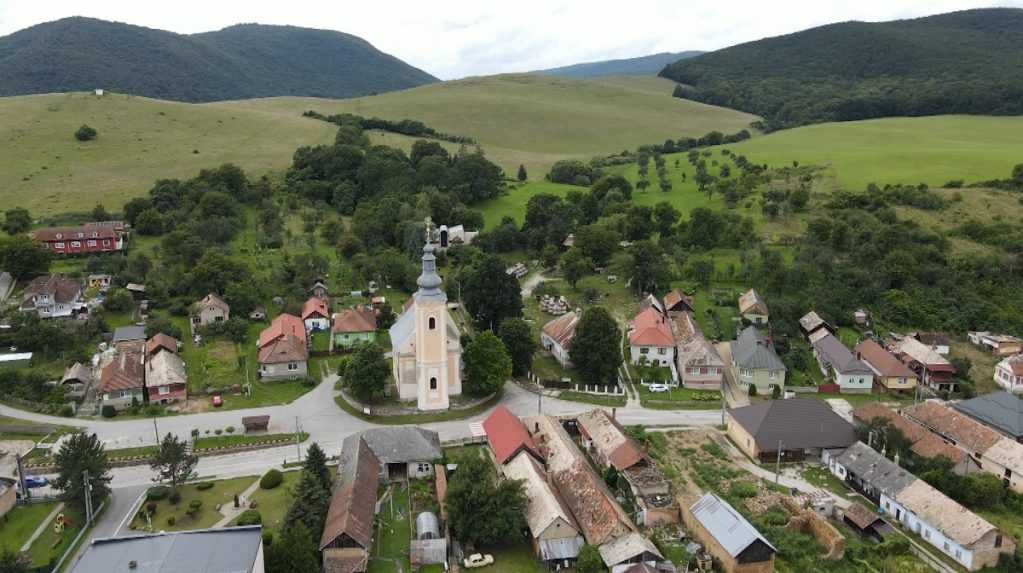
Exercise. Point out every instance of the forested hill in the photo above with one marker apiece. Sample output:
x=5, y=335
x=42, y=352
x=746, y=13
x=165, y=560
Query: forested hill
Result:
x=238, y=62
x=641, y=66
x=961, y=62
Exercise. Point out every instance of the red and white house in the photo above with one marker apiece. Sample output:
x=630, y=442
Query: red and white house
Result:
x=84, y=239
x=650, y=339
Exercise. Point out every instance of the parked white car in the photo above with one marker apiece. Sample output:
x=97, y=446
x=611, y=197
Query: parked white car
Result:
x=478, y=560
x=658, y=387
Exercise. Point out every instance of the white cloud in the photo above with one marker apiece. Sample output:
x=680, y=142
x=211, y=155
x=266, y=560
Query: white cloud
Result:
x=456, y=38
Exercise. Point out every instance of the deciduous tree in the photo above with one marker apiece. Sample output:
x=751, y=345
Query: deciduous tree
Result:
x=482, y=510
x=519, y=342
x=17, y=221
x=489, y=293
x=366, y=372
x=487, y=364
x=596, y=347
x=23, y=257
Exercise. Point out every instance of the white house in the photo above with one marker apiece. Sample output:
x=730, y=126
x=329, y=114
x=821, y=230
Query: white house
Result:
x=1009, y=373
x=556, y=337
x=316, y=314
x=650, y=340
x=838, y=363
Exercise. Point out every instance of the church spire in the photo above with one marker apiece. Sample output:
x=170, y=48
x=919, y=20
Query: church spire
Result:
x=429, y=281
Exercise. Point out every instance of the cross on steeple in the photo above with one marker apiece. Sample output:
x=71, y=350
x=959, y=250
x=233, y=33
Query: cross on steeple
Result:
x=428, y=223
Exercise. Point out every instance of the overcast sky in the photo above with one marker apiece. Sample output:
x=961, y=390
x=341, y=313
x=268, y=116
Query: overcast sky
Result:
x=457, y=38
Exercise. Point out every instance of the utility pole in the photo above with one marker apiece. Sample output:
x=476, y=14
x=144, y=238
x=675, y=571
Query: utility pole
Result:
x=87, y=486
x=21, y=479
x=539, y=400
x=156, y=431
x=298, y=441
x=777, y=467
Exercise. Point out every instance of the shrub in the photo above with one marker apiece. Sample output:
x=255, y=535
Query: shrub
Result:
x=195, y=433
x=195, y=504
x=158, y=493
x=204, y=486
x=218, y=431
x=250, y=517
x=67, y=411
x=151, y=508
x=175, y=497
x=271, y=479
x=171, y=521
x=229, y=429
x=108, y=411
x=743, y=489
x=85, y=133
x=268, y=538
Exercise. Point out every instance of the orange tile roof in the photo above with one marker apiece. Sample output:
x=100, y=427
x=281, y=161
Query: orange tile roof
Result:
x=965, y=431
x=883, y=361
x=125, y=372
x=357, y=319
x=315, y=307
x=286, y=349
x=650, y=328
x=161, y=340
x=508, y=435
x=283, y=325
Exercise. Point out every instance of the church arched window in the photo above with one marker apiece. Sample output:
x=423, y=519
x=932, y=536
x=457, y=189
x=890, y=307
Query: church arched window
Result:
x=433, y=323
x=433, y=381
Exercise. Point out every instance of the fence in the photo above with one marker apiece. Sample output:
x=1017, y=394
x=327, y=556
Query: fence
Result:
x=609, y=389
x=552, y=383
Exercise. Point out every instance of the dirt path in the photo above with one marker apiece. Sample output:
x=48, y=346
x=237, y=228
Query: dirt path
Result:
x=532, y=280
x=229, y=511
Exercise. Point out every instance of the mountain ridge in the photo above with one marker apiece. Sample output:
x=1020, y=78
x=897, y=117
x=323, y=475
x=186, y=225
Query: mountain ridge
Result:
x=640, y=65
x=237, y=62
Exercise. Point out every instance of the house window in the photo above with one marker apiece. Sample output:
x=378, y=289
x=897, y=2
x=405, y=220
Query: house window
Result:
x=163, y=390
x=58, y=246
x=433, y=383
x=75, y=244
x=106, y=243
x=927, y=534
x=95, y=234
x=662, y=350
x=81, y=235
x=644, y=350
x=433, y=323
x=292, y=365
x=946, y=547
x=959, y=554
x=998, y=541
x=773, y=375
x=423, y=468
x=91, y=243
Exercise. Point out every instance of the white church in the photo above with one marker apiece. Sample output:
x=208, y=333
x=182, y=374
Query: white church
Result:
x=426, y=345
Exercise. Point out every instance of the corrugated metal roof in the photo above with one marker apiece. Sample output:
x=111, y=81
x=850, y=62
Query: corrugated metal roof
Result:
x=836, y=355
x=561, y=548
x=870, y=466
x=228, y=550
x=728, y=527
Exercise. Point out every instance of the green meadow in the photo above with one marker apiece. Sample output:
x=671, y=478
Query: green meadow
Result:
x=932, y=150
x=44, y=168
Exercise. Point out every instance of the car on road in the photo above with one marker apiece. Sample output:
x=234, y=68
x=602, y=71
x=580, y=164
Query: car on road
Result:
x=658, y=388
x=35, y=481
x=217, y=401
x=478, y=560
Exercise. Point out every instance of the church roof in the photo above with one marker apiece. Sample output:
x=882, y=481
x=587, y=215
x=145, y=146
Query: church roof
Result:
x=429, y=281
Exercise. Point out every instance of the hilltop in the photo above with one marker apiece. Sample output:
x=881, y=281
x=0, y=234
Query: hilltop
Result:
x=961, y=62
x=640, y=66
x=243, y=61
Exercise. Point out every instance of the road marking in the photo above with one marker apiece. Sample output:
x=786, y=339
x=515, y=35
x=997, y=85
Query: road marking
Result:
x=131, y=513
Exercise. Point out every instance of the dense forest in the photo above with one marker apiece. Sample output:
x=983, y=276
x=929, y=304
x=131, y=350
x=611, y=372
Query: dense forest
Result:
x=962, y=62
x=243, y=61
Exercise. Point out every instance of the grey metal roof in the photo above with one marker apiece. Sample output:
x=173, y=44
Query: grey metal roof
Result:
x=1002, y=411
x=874, y=469
x=403, y=444
x=402, y=329
x=754, y=351
x=799, y=423
x=228, y=550
x=429, y=281
x=560, y=548
x=836, y=355
x=729, y=528
x=129, y=333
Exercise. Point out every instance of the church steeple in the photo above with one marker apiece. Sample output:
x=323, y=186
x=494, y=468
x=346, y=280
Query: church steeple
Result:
x=429, y=281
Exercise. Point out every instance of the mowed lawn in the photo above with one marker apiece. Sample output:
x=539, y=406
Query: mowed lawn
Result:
x=44, y=168
x=932, y=150
x=536, y=120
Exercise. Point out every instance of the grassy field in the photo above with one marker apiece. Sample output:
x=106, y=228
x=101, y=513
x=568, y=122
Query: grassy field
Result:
x=931, y=150
x=140, y=140
x=393, y=531
x=221, y=493
x=535, y=120
x=18, y=525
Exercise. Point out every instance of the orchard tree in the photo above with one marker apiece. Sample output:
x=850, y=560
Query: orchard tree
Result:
x=519, y=342
x=522, y=176
x=23, y=257
x=489, y=293
x=487, y=364
x=17, y=221
x=366, y=372
x=575, y=265
x=483, y=510
x=596, y=348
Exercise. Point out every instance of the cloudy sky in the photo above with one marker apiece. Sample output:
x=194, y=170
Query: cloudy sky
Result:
x=457, y=38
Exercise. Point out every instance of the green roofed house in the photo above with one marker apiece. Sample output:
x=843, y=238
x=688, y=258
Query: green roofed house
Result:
x=352, y=326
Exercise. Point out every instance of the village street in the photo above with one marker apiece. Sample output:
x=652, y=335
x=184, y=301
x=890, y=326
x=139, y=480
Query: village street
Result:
x=317, y=414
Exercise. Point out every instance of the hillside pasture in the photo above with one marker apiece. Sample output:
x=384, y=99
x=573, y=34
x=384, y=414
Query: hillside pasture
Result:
x=45, y=169
x=536, y=120
x=931, y=150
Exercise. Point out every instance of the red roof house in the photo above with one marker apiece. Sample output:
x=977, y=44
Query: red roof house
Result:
x=82, y=239
x=650, y=339
x=508, y=436
x=283, y=325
